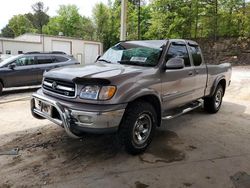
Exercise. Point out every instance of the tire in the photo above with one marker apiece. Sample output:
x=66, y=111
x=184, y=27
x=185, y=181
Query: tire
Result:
x=137, y=127
x=212, y=104
x=1, y=88
x=77, y=132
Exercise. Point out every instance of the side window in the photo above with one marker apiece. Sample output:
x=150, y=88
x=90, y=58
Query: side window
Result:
x=196, y=54
x=23, y=61
x=44, y=59
x=58, y=59
x=177, y=50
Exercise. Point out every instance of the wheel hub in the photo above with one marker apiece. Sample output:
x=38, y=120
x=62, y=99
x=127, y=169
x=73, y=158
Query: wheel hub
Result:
x=142, y=128
x=218, y=98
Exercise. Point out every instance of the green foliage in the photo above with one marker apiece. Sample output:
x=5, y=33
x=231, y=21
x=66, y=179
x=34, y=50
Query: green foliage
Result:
x=198, y=18
x=19, y=24
x=70, y=23
x=102, y=22
x=7, y=32
x=39, y=18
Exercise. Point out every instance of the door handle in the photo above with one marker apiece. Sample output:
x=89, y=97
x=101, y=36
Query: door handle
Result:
x=190, y=73
x=197, y=72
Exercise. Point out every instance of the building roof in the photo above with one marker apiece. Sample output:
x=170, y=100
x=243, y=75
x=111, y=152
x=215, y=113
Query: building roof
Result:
x=22, y=38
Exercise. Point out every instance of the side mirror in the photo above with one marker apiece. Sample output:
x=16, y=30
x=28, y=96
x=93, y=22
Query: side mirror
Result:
x=12, y=66
x=97, y=58
x=175, y=63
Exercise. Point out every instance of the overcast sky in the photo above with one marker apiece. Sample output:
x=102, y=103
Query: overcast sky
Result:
x=8, y=8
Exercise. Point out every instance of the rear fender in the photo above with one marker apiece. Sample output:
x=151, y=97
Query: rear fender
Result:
x=216, y=82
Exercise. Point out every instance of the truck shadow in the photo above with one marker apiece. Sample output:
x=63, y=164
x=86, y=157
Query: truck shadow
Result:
x=48, y=149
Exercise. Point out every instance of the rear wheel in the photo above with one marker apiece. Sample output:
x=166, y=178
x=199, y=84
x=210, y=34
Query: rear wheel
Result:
x=212, y=104
x=137, y=127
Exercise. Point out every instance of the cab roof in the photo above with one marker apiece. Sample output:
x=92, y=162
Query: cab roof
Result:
x=146, y=43
x=156, y=43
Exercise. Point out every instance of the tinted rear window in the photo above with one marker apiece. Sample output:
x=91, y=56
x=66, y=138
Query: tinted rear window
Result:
x=196, y=54
x=58, y=59
x=44, y=59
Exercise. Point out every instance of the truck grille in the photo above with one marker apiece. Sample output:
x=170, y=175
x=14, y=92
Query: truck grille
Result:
x=59, y=87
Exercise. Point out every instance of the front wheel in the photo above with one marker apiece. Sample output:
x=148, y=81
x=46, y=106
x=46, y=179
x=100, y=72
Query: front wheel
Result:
x=137, y=127
x=212, y=104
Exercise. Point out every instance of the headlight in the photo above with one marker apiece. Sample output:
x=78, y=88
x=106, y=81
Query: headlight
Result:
x=97, y=92
x=90, y=92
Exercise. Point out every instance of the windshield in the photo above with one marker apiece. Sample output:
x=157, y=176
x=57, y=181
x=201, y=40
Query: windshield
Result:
x=8, y=60
x=129, y=54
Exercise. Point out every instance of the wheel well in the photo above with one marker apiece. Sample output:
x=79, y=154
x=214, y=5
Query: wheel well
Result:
x=223, y=84
x=155, y=102
x=1, y=82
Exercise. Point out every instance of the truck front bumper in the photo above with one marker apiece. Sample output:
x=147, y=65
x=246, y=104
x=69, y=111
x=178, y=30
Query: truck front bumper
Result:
x=75, y=119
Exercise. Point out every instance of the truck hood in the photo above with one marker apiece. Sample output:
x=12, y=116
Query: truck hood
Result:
x=95, y=71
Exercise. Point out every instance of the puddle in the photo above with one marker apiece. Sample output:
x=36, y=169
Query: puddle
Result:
x=186, y=184
x=241, y=180
x=164, y=148
x=140, y=185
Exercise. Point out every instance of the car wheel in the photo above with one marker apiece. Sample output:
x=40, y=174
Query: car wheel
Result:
x=212, y=104
x=137, y=127
x=1, y=88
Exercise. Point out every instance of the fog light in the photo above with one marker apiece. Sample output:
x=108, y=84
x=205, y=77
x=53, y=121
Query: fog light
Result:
x=85, y=119
x=38, y=104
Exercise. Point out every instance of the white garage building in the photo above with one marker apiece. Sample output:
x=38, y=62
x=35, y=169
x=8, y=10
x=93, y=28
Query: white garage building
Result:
x=84, y=51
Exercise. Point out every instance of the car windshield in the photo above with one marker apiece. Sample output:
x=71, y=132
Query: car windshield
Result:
x=132, y=55
x=8, y=60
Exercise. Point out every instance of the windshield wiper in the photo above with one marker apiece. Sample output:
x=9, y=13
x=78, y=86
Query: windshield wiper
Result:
x=104, y=60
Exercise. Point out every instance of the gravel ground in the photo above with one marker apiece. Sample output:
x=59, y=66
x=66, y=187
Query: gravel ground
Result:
x=194, y=150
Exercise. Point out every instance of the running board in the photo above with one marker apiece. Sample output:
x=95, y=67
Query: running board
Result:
x=184, y=110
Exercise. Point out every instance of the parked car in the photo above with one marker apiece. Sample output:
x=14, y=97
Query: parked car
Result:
x=4, y=56
x=27, y=69
x=131, y=89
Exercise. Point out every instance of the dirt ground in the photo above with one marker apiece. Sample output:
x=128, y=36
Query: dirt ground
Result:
x=194, y=150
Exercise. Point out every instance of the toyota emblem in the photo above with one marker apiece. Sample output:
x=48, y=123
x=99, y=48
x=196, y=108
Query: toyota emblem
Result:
x=54, y=85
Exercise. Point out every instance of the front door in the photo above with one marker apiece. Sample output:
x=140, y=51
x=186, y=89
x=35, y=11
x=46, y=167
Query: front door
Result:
x=23, y=74
x=178, y=85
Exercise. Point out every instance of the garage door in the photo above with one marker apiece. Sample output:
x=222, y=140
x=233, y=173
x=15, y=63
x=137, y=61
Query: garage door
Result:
x=91, y=53
x=62, y=46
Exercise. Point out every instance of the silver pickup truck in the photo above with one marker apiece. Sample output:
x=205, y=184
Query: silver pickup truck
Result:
x=131, y=89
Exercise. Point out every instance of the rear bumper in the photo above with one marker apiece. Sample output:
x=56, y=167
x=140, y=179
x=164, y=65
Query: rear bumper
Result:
x=81, y=120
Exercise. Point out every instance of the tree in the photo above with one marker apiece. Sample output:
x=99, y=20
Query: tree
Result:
x=170, y=19
x=19, y=24
x=7, y=32
x=68, y=21
x=101, y=16
x=88, y=29
x=39, y=18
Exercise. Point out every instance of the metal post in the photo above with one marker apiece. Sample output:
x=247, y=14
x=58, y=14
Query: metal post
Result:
x=139, y=19
x=123, y=20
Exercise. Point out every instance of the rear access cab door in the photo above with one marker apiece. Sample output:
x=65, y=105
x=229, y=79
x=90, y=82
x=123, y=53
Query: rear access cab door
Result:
x=178, y=85
x=200, y=70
